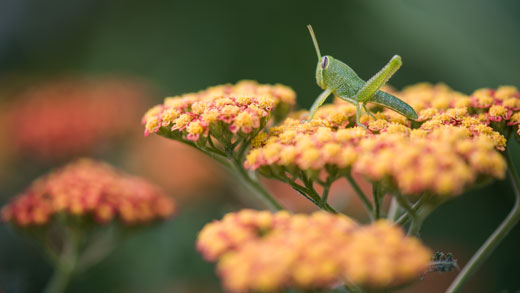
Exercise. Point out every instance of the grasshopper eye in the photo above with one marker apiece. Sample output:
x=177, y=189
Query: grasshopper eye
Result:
x=324, y=62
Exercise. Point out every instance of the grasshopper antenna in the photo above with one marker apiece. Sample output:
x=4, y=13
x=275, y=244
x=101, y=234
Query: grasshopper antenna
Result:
x=315, y=42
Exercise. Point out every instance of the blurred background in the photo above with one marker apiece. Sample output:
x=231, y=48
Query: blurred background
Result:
x=95, y=67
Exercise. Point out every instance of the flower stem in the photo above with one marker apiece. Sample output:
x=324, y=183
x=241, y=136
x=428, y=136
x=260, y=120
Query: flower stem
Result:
x=393, y=210
x=325, y=195
x=256, y=186
x=498, y=235
x=66, y=263
x=326, y=189
x=376, y=194
x=415, y=226
x=311, y=195
x=353, y=288
x=403, y=219
x=366, y=202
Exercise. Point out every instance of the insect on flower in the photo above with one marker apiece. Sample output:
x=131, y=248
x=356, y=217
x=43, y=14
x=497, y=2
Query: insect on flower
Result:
x=337, y=78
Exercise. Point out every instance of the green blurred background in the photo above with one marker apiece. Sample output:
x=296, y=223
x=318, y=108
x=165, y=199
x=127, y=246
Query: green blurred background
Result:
x=184, y=46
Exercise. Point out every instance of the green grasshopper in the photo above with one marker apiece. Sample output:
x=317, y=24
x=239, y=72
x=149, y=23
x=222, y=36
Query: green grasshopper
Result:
x=336, y=77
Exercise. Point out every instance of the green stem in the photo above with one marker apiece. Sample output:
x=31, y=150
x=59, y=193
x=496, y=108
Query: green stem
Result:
x=415, y=226
x=326, y=188
x=256, y=186
x=66, y=263
x=366, y=202
x=325, y=194
x=376, y=194
x=310, y=187
x=393, y=210
x=406, y=216
x=405, y=204
x=353, y=288
x=423, y=210
x=416, y=223
x=310, y=195
x=304, y=191
x=498, y=235
x=222, y=160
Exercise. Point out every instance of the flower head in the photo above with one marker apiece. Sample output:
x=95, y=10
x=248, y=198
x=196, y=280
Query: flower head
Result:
x=87, y=188
x=425, y=97
x=66, y=118
x=235, y=229
x=451, y=146
x=224, y=111
x=310, y=252
x=444, y=156
x=380, y=256
x=493, y=107
x=502, y=106
x=443, y=161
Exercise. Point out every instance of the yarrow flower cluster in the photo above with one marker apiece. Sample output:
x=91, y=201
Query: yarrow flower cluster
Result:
x=91, y=189
x=64, y=118
x=437, y=157
x=259, y=251
x=226, y=112
x=498, y=108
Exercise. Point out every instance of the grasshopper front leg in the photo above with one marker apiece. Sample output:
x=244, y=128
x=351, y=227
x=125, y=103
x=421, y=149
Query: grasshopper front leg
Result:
x=319, y=101
x=358, y=115
x=377, y=81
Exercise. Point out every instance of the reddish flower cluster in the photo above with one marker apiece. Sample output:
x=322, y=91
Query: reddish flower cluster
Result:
x=89, y=188
x=500, y=105
x=224, y=110
x=65, y=118
x=265, y=252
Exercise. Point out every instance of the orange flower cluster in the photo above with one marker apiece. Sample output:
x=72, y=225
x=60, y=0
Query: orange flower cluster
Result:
x=438, y=157
x=498, y=108
x=227, y=111
x=89, y=188
x=424, y=96
x=259, y=251
x=65, y=118
x=444, y=161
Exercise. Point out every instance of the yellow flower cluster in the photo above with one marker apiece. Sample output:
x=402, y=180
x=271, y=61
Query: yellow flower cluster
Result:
x=443, y=161
x=424, y=96
x=235, y=229
x=444, y=155
x=305, y=146
x=91, y=189
x=498, y=108
x=223, y=110
x=259, y=251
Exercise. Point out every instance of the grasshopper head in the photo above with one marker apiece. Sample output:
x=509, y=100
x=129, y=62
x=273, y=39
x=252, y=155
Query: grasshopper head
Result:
x=322, y=67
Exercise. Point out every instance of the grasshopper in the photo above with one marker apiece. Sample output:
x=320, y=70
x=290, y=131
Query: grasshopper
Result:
x=336, y=77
